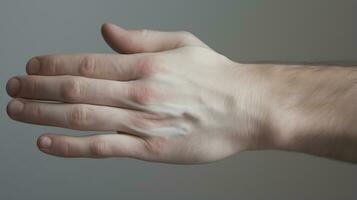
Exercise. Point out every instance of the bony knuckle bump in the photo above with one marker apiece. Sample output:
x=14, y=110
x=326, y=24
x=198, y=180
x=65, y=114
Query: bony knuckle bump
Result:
x=99, y=147
x=149, y=65
x=51, y=63
x=87, y=65
x=36, y=111
x=31, y=84
x=141, y=95
x=71, y=90
x=79, y=116
x=65, y=148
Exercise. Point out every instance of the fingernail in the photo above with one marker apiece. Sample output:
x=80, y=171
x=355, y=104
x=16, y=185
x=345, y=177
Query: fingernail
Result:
x=33, y=67
x=44, y=142
x=15, y=107
x=13, y=86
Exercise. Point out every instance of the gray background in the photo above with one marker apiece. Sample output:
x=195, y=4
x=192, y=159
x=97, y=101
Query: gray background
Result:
x=246, y=31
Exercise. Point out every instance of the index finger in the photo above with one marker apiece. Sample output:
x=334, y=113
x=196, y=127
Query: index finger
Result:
x=101, y=66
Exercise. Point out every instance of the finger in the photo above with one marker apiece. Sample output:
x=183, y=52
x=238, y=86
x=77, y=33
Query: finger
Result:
x=72, y=116
x=72, y=89
x=100, y=66
x=91, y=118
x=96, y=146
x=140, y=41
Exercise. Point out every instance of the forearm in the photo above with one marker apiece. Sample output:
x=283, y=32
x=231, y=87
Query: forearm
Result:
x=313, y=109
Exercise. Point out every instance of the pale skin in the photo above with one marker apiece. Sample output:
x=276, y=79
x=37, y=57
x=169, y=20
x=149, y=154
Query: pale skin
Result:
x=168, y=97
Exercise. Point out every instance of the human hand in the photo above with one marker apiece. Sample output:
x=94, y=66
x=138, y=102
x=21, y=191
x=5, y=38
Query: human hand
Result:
x=166, y=97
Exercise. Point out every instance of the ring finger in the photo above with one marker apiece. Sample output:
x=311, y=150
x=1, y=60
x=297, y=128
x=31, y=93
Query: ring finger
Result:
x=72, y=116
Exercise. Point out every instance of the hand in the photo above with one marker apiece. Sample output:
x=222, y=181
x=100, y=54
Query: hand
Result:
x=167, y=97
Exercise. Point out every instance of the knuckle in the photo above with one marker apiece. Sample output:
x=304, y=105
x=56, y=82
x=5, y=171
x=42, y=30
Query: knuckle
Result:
x=31, y=84
x=35, y=111
x=141, y=94
x=64, y=147
x=79, y=117
x=71, y=90
x=148, y=65
x=50, y=64
x=99, y=147
x=87, y=65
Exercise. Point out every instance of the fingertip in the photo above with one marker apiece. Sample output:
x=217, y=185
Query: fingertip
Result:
x=105, y=27
x=13, y=86
x=107, y=24
x=53, y=144
x=108, y=29
x=33, y=66
x=14, y=108
x=112, y=35
x=45, y=142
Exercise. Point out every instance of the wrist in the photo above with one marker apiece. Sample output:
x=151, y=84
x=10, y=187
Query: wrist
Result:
x=255, y=96
x=276, y=92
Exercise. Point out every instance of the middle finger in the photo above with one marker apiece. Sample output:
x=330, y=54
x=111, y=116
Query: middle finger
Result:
x=71, y=89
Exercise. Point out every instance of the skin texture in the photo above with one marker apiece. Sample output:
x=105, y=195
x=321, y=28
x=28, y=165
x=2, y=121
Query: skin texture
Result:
x=168, y=97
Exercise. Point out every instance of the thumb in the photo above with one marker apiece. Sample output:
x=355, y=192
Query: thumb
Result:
x=141, y=41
